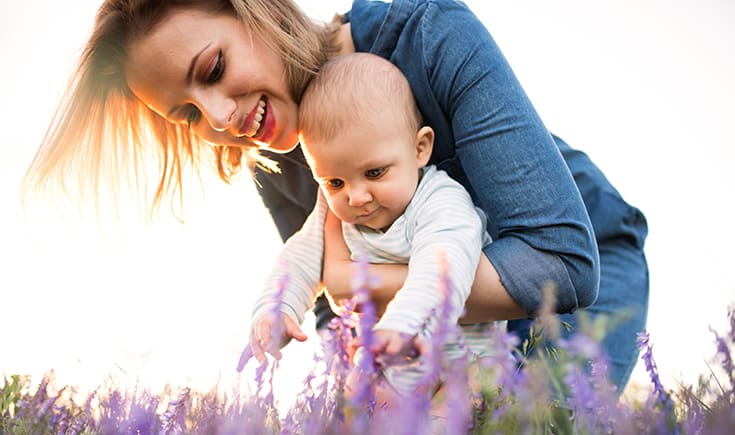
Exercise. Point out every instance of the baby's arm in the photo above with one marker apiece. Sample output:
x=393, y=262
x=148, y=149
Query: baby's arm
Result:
x=488, y=300
x=442, y=221
x=283, y=302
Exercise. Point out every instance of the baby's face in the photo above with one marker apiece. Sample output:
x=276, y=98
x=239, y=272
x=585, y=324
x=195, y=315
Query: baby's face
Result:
x=368, y=173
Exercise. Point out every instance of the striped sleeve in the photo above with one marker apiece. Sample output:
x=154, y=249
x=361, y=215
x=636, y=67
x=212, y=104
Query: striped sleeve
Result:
x=301, y=260
x=441, y=220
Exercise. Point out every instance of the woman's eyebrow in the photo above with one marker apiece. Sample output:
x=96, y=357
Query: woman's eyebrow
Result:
x=189, y=76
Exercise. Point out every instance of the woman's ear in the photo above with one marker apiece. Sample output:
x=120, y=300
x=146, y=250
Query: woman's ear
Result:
x=424, y=145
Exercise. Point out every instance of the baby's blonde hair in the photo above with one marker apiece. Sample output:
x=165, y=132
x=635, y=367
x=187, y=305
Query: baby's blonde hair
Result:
x=100, y=129
x=347, y=89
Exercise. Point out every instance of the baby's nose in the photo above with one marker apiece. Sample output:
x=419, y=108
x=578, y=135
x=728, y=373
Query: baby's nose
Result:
x=359, y=197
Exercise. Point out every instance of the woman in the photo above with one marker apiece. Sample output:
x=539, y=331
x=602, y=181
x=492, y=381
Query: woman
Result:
x=231, y=74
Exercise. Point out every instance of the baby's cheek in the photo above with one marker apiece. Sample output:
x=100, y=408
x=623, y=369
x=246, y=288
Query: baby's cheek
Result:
x=341, y=211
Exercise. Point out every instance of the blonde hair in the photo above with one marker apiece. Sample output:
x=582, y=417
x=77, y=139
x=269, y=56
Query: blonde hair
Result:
x=100, y=129
x=347, y=88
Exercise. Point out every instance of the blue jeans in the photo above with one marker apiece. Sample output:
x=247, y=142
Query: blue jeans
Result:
x=623, y=297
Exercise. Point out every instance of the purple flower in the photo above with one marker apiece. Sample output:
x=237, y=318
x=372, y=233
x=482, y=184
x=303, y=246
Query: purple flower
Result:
x=363, y=396
x=583, y=400
x=503, y=362
x=459, y=400
x=659, y=395
x=643, y=343
x=723, y=350
x=592, y=397
x=174, y=418
x=441, y=330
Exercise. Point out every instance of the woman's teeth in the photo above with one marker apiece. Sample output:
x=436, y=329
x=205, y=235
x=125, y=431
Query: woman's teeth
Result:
x=260, y=112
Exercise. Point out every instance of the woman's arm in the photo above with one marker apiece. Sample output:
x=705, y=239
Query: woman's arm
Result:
x=490, y=138
x=489, y=300
x=508, y=159
x=338, y=269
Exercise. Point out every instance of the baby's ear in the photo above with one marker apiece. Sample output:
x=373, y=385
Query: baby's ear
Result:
x=424, y=145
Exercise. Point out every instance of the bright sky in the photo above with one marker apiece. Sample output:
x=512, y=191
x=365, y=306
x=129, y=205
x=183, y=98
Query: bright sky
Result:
x=645, y=89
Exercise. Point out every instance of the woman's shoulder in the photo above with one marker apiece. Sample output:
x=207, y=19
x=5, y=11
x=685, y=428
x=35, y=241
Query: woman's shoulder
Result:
x=378, y=25
x=397, y=9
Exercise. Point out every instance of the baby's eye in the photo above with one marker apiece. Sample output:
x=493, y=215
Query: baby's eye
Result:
x=374, y=173
x=217, y=70
x=335, y=183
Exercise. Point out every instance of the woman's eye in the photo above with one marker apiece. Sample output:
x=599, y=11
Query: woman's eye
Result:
x=374, y=173
x=218, y=69
x=335, y=184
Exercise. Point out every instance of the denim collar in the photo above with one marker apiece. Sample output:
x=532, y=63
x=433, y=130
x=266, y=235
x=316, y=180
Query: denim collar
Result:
x=379, y=39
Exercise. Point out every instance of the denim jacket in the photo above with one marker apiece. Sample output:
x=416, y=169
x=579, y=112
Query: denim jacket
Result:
x=489, y=137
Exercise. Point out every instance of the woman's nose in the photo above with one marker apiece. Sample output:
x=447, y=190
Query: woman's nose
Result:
x=219, y=111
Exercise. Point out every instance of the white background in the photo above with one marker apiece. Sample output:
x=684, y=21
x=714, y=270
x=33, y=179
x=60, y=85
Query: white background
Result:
x=645, y=88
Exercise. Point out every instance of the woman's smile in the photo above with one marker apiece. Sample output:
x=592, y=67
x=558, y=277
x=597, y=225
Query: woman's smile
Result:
x=252, y=123
x=267, y=127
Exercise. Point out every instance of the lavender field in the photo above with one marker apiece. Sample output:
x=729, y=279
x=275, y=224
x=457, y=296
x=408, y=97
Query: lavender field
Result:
x=560, y=389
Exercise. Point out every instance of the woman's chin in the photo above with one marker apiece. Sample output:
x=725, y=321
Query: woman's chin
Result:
x=280, y=147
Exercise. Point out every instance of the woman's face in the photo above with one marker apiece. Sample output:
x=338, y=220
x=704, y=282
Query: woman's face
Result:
x=216, y=75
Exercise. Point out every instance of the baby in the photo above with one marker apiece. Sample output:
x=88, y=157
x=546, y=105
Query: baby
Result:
x=362, y=136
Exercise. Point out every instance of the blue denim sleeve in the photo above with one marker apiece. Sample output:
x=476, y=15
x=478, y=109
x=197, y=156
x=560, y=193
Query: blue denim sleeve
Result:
x=512, y=166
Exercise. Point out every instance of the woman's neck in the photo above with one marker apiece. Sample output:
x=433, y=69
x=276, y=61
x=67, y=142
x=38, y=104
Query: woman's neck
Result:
x=344, y=40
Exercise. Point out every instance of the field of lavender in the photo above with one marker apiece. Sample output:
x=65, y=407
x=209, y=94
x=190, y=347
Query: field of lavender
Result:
x=560, y=388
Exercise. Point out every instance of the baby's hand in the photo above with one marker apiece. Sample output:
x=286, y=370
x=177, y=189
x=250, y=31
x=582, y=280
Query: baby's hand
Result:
x=391, y=347
x=262, y=337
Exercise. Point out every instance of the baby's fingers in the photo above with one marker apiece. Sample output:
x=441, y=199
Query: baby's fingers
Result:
x=422, y=346
x=267, y=343
x=252, y=349
x=260, y=340
x=245, y=356
x=379, y=344
x=352, y=345
x=395, y=345
x=293, y=330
